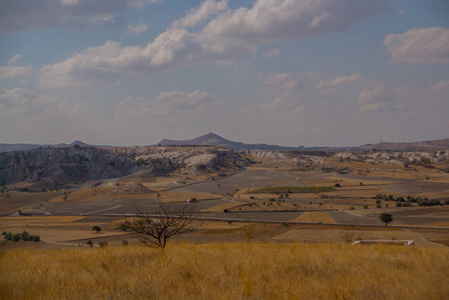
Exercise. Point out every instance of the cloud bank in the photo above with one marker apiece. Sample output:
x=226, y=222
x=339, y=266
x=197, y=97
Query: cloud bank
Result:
x=229, y=35
x=419, y=46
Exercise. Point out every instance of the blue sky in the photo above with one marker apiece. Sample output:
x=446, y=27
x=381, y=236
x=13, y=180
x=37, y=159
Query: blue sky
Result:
x=132, y=72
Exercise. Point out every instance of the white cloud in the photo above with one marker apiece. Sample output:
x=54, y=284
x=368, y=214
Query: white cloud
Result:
x=166, y=103
x=271, y=53
x=320, y=19
x=417, y=46
x=270, y=20
x=228, y=36
x=21, y=102
x=70, y=2
x=374, y=106
x=440, y=86
x=342, y=80
x=136, y=29
x=202, y=13
x=366, y=95
x=287, y=86
x=376, y=97
x=28, y=115
x=11, y=71
x=14, y=60
x=18, y=15
x=111, y=60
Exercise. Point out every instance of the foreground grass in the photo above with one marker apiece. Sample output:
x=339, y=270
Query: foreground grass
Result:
x=227, y=271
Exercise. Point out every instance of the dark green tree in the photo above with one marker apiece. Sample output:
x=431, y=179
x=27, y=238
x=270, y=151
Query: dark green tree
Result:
x=386, y=218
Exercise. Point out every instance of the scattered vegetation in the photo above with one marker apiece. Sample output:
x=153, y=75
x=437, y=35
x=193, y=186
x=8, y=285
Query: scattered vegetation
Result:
x=407, y=202
x=24, y=236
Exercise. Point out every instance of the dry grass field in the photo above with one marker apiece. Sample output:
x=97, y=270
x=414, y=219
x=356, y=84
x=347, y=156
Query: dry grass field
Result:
x=227, y=271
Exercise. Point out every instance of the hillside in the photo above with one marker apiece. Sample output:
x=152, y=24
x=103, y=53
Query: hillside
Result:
x=20, y=146
x=433, y=145
x=49, y=167
x=212, y=139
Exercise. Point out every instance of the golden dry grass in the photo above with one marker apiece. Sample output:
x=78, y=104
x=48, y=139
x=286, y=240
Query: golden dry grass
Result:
x=168, y=197
x=227, y=271
x=313, y=217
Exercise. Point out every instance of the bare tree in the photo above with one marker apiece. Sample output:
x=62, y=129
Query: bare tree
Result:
x=154, y=229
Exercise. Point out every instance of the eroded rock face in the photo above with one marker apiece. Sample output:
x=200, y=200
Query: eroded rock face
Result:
x=396, y=157
x=54, y=166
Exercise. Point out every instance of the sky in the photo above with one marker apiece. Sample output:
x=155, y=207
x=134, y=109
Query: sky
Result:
x=287, y=72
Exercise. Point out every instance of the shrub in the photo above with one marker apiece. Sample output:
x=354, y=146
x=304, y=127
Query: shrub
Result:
x=352, y=208
x=89, y=242
x=365, y=207
x=35, y=238
x=16, y=237
x=103, y=244
x=398, y=204
x=378, y=206
x=8, y=236
x=96, y=228
x=122, y=227
x=125, y=243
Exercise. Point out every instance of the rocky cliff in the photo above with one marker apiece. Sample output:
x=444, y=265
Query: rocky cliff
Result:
x=56, y=166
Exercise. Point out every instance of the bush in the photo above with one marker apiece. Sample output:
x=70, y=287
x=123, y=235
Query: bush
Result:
x=352, y=208
x=103, y=244
x=122, y=227
x=378, y=206
x=398, y=204
x=365, y=207
x=8, y=236
x=89, y=242
x=125, y=243
x=35, y=238
x=96, y=228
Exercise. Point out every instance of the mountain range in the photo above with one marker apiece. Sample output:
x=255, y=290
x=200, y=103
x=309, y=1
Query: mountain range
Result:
x=212, y=139
x=18, y=147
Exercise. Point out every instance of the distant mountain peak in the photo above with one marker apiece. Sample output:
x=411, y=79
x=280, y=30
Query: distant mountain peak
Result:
x=209, y=136
x=79, y=143
x=213, y=139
